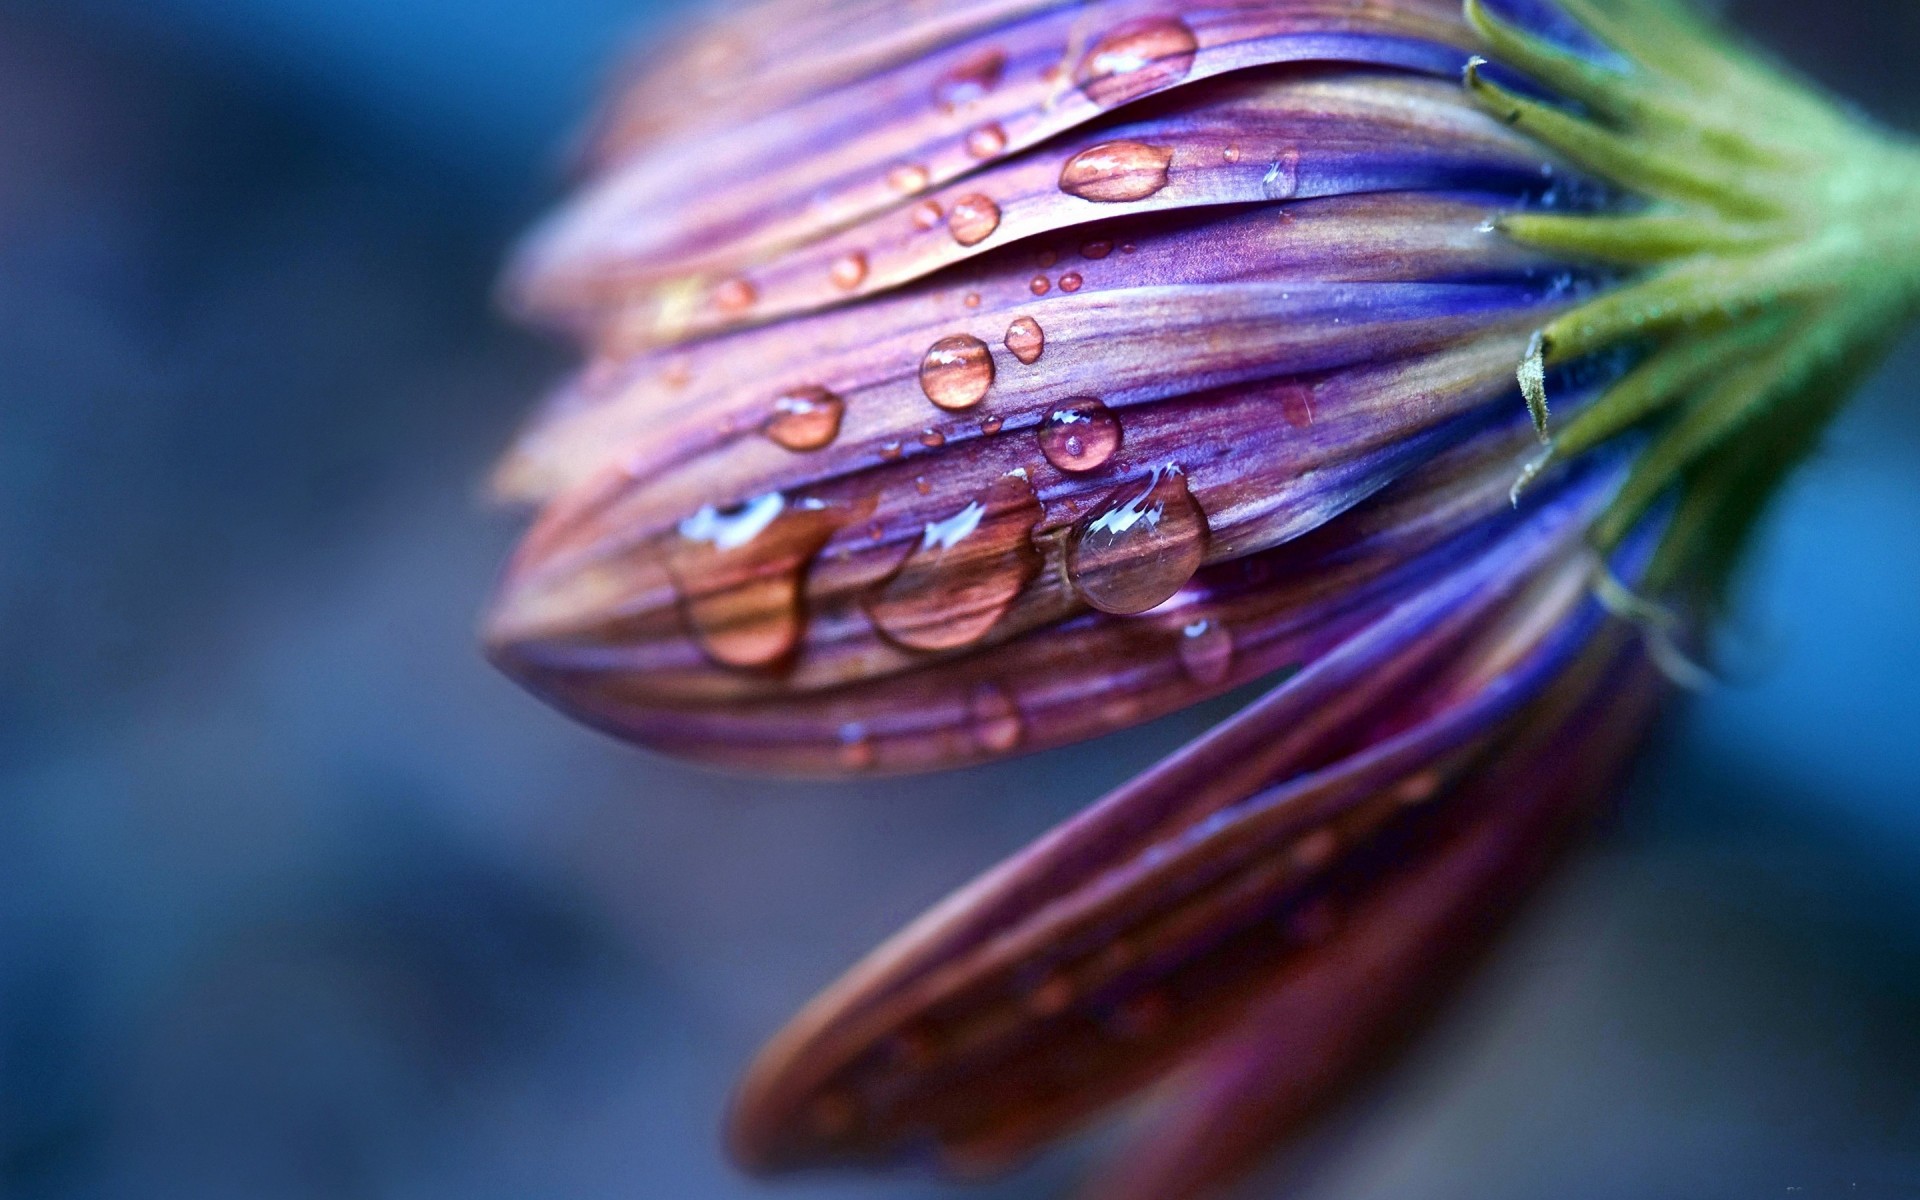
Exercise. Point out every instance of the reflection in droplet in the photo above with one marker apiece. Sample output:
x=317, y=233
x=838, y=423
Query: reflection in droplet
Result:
x=973, y=219
x=1140, y=546
x=739, y=571
x=805, y=419
x=966, y=572
x=957, y=371
x=1080, y=435
x=1114, y=172
x=849, y=271
x=987, y=141
x=994, y=719
x=969, y=79
x=1282, y=180
x=1206, y=651
x=1136, y=58
x=1025, y=340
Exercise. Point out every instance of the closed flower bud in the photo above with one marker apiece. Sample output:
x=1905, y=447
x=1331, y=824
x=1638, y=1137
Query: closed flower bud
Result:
x=969, y=379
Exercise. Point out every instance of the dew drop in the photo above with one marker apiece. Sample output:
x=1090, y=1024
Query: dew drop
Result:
x=805, y=419
x=1136, y=58
x=927, y=215
x=735, y=295
x=1039, y=286
x=1025, y=340
x=1099, y=249
x=990, y=425
x=987, y=140
x=973, y=219
x=932, y=439
x=994, y=719
x=890, y=451
x=1081, y=435
x=909, y=180
x=856, y=751
x=849, y=271
x=969, y=80
x=971, y=300
x=966, y=572
x=1115, y=172
x=738, y=572
x=1046, y=259
x=1296, y=405
x=957, y=372
x=921, y=485
x=1282, y=180
x=1070, y=282
x=1140, y=546
x=1231, y=153
x=1206, y=652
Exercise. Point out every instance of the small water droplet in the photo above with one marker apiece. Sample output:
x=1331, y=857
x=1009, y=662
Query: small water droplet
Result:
x=1282, y=180
x=1025, y=340
x=1046, y=259
x=969, y=79
x=805, y=419
x=921, y=485
x=1081, y=435
x=1231, y=153
x=973, y=219
x=890, y=451
x=1136, y=58
x=1140, y=546
x=933, y=439
x=849, y=271
x=966, y=572
x=1070, y=282
x=1115, y=172
x=927, y=215
x=1296, y=405
x=957, y=372
x=734, y=295
x=856, y=752
x=1206, y=652
x=909, y=179
x=1039, y=286
x=990, y=425
x=738, y=572
x=987, y=141
x=1128, y=247
x=1099, y=249
x=971, y=300
x=996, y=724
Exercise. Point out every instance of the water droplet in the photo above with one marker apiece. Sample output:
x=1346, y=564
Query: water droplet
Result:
x=933, y=439
x=1316, y=849
x=1282, y=179
x=1114, y=172
x=1206, y=652
x=1231, y=153
x=921, y=485
x=987, y=141
x=1099, y=249
x=1136, y=58
x=1140, y=546
x=735, y=295
x=1070, y=282
x=969, y=79
x=1053, y=996
x=957, y=372
x=805, y=419
x=849, y=271
x=890, y=451
x=1046, y=259
x=856, y=751
x=1128, y=247
x=739, y=571
x=971, y=300
x=909, y=179
x=966, y=572
x=1039, y=285
x=990, y=425
x=1296, y=405
x=927, y=215
x=996, y=724
x=1025, y=340
x=1080, y=435
x=973, y=219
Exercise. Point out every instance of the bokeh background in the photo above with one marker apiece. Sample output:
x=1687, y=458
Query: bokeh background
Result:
x=297, y=899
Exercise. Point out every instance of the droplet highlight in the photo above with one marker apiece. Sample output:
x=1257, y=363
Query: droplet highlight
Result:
x=1136, y=58
x=973, y=219
x=957, y=371
x=965, y=573
x=1141, y=546
x=1116, y=172
x=1080, y=435
x=1025, y=340
x=805, y=419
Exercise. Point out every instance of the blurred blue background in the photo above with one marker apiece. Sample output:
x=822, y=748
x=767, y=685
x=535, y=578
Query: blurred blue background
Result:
x=297, y=899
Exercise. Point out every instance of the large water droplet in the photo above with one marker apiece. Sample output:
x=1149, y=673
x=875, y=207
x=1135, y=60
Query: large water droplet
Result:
x=973, y=219
x=965, y=573
x=1115, y=172
x=1025, y=340
x=1080, y=435
x=957, y=371
x=1139, y=547
x=1206, y=652
x=1136, y=58
x=805, y=419
x=969, y=79
x=739, y=571
x=994, y=719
